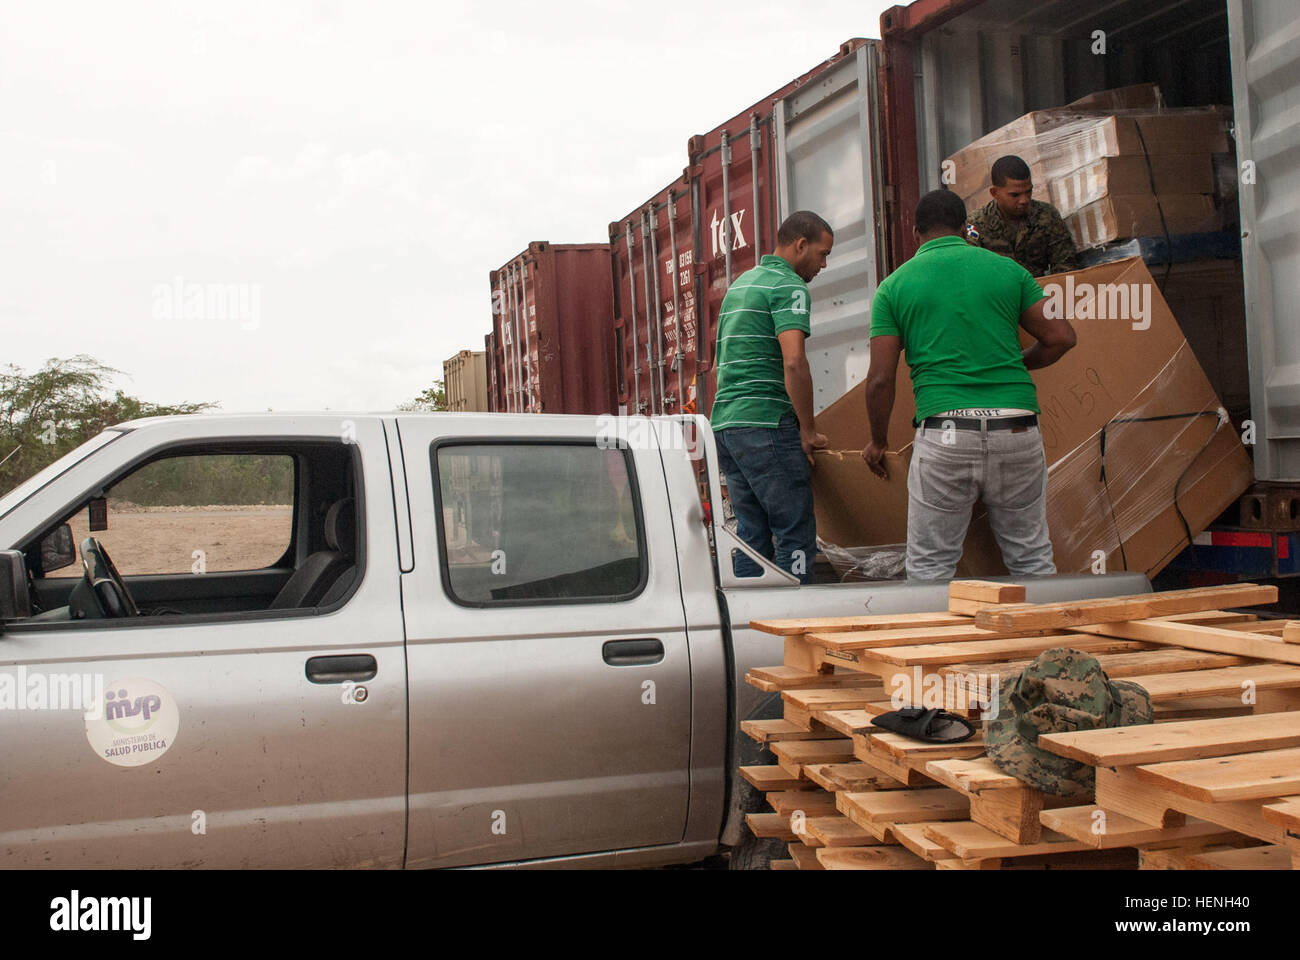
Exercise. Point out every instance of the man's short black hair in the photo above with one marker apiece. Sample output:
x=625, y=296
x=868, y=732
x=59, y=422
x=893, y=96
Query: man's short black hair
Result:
x=1007, y=168
x=802, y=223
x=940, y=208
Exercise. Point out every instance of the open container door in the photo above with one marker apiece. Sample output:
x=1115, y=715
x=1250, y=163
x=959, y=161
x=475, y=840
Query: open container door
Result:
x=1264, y=44
x=828, y=160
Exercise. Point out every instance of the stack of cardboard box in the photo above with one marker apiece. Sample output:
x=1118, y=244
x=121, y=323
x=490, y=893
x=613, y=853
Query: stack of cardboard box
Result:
x=1115, y=164
x=1141, y=454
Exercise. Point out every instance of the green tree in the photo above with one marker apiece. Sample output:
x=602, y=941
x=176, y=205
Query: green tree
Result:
x=433, y=398
x=45, y=414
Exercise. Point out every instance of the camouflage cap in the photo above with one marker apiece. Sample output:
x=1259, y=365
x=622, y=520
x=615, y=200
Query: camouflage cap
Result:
x=1062, y=690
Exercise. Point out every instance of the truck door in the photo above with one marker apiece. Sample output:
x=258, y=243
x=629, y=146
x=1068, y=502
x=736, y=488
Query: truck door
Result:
x=229, y=738
x=548, y=667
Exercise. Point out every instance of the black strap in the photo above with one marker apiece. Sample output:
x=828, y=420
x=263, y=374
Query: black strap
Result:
x=1151, y=175
x=1110, y=503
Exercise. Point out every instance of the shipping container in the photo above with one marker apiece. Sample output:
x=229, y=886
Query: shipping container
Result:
x=551, y=344
x=492, y=362
x=808, y=145
x=953, y=70
x=464, y=382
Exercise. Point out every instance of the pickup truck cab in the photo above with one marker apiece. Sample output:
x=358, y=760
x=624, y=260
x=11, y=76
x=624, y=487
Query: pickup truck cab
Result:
x=405, y=640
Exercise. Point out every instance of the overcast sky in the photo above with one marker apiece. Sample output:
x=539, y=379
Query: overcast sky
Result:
x=348, y=172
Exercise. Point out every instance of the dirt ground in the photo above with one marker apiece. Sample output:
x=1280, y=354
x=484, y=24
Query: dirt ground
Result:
x=145, y=540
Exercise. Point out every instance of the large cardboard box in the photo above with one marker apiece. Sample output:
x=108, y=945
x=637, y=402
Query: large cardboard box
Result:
x=1138, y=451
x=1140, y=215
x=1055, y=144
x=1191, y=173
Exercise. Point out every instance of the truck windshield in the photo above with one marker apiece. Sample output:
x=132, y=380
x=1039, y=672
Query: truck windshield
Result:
x=25, y=489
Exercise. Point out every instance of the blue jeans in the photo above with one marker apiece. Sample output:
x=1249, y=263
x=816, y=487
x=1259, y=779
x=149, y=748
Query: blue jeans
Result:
x=770, y=485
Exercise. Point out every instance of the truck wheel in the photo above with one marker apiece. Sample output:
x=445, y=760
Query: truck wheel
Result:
x=756, y=854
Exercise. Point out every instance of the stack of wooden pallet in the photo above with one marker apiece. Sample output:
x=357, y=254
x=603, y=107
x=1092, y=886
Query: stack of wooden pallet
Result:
x=1213, y=784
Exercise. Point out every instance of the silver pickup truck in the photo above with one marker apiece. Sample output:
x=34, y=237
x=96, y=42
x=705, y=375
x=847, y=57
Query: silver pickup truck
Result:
x=431, y=640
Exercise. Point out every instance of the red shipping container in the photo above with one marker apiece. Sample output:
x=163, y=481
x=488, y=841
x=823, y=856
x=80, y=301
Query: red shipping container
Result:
x=701, y=232
x=551, y=341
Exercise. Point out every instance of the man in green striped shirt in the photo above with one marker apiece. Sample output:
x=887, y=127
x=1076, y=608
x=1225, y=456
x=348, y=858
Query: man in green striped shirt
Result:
x=762, y=413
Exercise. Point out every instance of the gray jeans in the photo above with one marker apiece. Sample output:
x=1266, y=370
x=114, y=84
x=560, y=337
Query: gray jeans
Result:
x=950, y=469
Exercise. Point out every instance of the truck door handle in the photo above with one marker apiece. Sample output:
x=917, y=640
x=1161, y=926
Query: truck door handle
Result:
x=338, y=669
x=628, y=653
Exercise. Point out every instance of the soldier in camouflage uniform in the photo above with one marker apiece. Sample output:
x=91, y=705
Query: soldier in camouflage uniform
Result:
x=1061, y=691
x=1013, y=224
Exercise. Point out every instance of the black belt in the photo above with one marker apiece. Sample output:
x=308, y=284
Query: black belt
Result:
x=973, y=423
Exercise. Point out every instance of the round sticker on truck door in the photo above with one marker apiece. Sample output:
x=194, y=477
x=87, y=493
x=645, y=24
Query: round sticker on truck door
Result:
x=135, y=724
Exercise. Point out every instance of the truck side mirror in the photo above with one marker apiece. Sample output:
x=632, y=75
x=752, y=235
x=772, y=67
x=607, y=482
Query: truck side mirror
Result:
x=58, y=549
x=15, y=602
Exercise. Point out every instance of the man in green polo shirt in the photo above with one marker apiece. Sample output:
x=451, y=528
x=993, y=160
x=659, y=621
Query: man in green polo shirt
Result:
x=762, y=414
x=956, y=310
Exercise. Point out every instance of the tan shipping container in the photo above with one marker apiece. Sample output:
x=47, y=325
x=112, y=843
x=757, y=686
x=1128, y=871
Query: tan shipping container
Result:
x=465, y=382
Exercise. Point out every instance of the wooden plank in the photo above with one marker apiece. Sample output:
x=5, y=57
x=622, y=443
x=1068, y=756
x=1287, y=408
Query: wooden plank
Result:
x=969, y=651
x=1013, y=814
x=850, y=776
x=905, y=748
x=884, y=621
x=808, y=802
x=870, y=858
x=1285, y=813
x=1174, y=858
x=972, y=841
x=1214, y=639
x=986, y=591
x=1245, y=858
x=1188, y=740
x=907, y=772
x=804, y=858
x=849, y=642
x=793, y=754
x=848, y=721
x=1120, y=789
x=769, y=826
x=771, y=679
x=902, y=806
x=1291, y=633
x=839, y=831
x=967, y=608
x=912, y=836
x=765, y=731
x=1116, y=665
x=1200, y=708
x=799, y=719
x=1076, y=613
x=772, y=777
x=971, y=776
x=955, y=863
x=1244, y=776
x=1219, y=682
x=782, y=865
x=1113, y=829
x=843, y=698
x=1273, y=628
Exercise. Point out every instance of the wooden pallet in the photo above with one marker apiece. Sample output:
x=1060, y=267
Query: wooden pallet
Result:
x=881, y=801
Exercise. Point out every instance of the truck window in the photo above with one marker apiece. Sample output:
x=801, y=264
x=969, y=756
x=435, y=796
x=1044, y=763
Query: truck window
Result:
x=538, y=523
x=184, y=514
